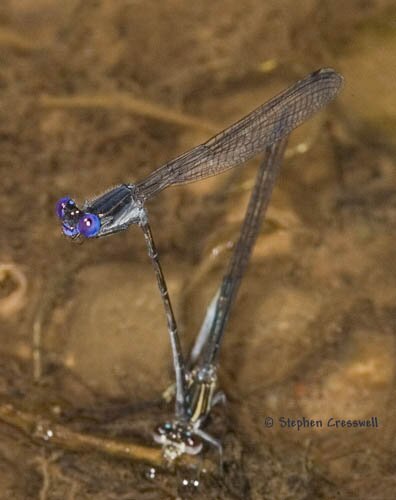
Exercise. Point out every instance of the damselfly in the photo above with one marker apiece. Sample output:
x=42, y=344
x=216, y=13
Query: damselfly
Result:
x=264, y=130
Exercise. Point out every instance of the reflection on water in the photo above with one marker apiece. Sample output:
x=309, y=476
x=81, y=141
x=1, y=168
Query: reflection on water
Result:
x=312, y=332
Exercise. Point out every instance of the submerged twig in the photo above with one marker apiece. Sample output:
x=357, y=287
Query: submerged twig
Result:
x=43, y=464
x=14, y=40
x=127, y=102
x=54, y=288
x=36, y=353
x=44, y=430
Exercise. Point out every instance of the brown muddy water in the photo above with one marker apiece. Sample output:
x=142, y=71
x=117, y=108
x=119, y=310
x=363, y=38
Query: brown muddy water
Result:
x=96, y=93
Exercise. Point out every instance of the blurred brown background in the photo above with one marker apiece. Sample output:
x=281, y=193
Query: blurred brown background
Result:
x=96, y=93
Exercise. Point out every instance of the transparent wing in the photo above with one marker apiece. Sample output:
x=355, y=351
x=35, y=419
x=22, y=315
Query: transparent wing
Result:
x=249, y=136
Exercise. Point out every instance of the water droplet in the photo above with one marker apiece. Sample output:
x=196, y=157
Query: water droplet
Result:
x=151, y=473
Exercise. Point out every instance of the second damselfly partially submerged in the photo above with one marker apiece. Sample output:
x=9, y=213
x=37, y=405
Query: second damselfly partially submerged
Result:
x=184, y=434
x=264, y=130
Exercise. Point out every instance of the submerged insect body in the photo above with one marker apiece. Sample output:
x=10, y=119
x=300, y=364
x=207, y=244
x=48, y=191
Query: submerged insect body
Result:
x=201, y=395
x=185, y=435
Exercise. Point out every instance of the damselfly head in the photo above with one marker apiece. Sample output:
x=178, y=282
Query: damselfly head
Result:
x=75, y=222
x=176, y=439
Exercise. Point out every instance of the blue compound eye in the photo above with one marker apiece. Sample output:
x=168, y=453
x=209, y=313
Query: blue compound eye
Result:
x=89, y=225
x=62, y=205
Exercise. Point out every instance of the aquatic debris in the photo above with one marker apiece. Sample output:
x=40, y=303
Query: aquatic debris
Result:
x=15, y=300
